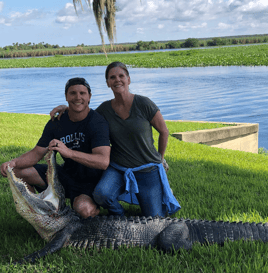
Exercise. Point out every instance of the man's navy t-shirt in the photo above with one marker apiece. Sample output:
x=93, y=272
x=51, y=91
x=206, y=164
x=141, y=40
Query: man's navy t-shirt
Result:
x=81, y=136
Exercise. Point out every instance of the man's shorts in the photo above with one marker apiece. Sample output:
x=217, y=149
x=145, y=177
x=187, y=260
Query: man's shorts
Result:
x=72, y=188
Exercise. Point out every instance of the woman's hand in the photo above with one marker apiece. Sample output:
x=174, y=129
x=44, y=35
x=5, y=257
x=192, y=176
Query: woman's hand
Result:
x=60, y=110
x=165, y=165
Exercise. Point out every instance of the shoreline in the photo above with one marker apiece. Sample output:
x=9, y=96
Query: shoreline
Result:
x=255, y=55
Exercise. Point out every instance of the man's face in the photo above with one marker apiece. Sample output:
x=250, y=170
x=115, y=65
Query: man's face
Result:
x=78, y=98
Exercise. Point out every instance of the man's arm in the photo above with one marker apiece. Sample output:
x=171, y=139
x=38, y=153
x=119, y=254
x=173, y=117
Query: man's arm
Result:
x=26, y=160
x=99, y=159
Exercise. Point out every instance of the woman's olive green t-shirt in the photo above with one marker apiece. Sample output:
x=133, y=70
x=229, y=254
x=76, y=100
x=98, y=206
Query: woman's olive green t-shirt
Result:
x=132, y=139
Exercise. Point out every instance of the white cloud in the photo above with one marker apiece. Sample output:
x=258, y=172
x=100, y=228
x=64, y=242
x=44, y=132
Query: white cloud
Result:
x=152, y=6
x=140, y=30
x=253, y=25
x=1, y=5
x=181, y=27
x=21, y=18
x=203, y=25
x=224, y=26
x=186, y=10
x=67, y=19
x=71, y=6
x=189, y=26
x=68, y=16
x=201, y=18
x=67, y=10
x=26, y=16
x=176, y=10
x=252, y=6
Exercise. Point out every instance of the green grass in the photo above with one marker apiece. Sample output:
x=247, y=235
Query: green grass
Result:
x=209, y=183
x=223, y=56
x=26, y=127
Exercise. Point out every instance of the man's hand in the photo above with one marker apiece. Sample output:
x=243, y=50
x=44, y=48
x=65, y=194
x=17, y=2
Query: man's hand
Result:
x=11, y=164
x=26, y=160
x=58, y=146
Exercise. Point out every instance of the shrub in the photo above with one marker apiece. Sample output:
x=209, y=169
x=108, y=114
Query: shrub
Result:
x=142, y=45
x=173, y=44
x=191, y=42
x=216, y=42
x=262, y=151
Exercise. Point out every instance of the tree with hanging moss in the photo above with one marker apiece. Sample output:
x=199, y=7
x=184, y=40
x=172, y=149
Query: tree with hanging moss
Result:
x=104, y=13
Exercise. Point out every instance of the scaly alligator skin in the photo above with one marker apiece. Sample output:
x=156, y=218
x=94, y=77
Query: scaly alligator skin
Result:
x=59, y=225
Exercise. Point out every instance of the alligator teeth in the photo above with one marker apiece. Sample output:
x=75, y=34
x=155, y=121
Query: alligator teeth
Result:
x=84, y=246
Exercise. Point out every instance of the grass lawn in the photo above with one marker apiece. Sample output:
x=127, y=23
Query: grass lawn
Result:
x=209, y=183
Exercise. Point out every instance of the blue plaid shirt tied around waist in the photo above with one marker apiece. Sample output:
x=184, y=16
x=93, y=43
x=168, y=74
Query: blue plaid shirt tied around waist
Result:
x=132, y=188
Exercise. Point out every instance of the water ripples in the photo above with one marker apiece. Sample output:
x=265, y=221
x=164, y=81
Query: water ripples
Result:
x=227, y=94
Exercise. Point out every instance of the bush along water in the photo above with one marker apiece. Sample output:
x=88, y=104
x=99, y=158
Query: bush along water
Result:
x=222, y=56
x=41, y=49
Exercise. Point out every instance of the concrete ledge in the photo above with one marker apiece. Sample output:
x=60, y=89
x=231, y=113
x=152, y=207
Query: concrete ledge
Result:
x=242, y=136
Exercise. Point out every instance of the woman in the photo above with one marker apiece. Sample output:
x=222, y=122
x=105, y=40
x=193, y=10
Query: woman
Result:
x=136, y=173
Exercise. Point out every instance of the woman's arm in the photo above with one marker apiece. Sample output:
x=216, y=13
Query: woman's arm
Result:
x=159, y=124
x=60, y=110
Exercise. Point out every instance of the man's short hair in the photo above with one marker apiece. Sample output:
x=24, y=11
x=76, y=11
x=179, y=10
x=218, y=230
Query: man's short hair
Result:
x=77, y=81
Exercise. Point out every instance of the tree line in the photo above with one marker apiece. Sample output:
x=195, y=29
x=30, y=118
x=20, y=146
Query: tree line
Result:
x=45, y=49
x=29, y=46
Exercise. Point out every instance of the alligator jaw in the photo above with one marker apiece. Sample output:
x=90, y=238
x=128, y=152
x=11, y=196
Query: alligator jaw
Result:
x=46, y=211
x=54, y=192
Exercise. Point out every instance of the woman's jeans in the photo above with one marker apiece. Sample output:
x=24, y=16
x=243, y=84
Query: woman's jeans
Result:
x=150, y=195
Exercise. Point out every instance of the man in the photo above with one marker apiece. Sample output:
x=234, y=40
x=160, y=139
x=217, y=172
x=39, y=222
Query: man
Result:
x=81, y=136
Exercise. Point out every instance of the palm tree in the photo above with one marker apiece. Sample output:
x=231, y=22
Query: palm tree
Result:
x=104, y=12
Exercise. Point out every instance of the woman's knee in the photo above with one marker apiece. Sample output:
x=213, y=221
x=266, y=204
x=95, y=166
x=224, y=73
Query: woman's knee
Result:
x=100, y=195
x=151, y=194
x=109, y=187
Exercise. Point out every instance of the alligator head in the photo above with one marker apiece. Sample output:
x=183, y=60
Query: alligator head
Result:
x=46, y=211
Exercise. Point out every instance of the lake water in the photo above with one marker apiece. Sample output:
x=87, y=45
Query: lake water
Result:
x=228, y=94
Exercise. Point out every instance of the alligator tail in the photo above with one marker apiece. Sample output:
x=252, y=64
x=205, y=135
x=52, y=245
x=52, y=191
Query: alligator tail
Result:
x=184, y=233
x=219, y=231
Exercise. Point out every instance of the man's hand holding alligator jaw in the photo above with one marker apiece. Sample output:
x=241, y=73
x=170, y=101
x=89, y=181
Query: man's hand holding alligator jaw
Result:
x=58, y=146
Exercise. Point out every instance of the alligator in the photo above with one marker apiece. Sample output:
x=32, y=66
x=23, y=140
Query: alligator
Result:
x=61, y=226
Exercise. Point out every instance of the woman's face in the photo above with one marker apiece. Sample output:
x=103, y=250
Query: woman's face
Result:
x=118, y=80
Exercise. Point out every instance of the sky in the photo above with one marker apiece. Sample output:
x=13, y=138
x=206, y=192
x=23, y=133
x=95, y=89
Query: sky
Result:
x=56, y=22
